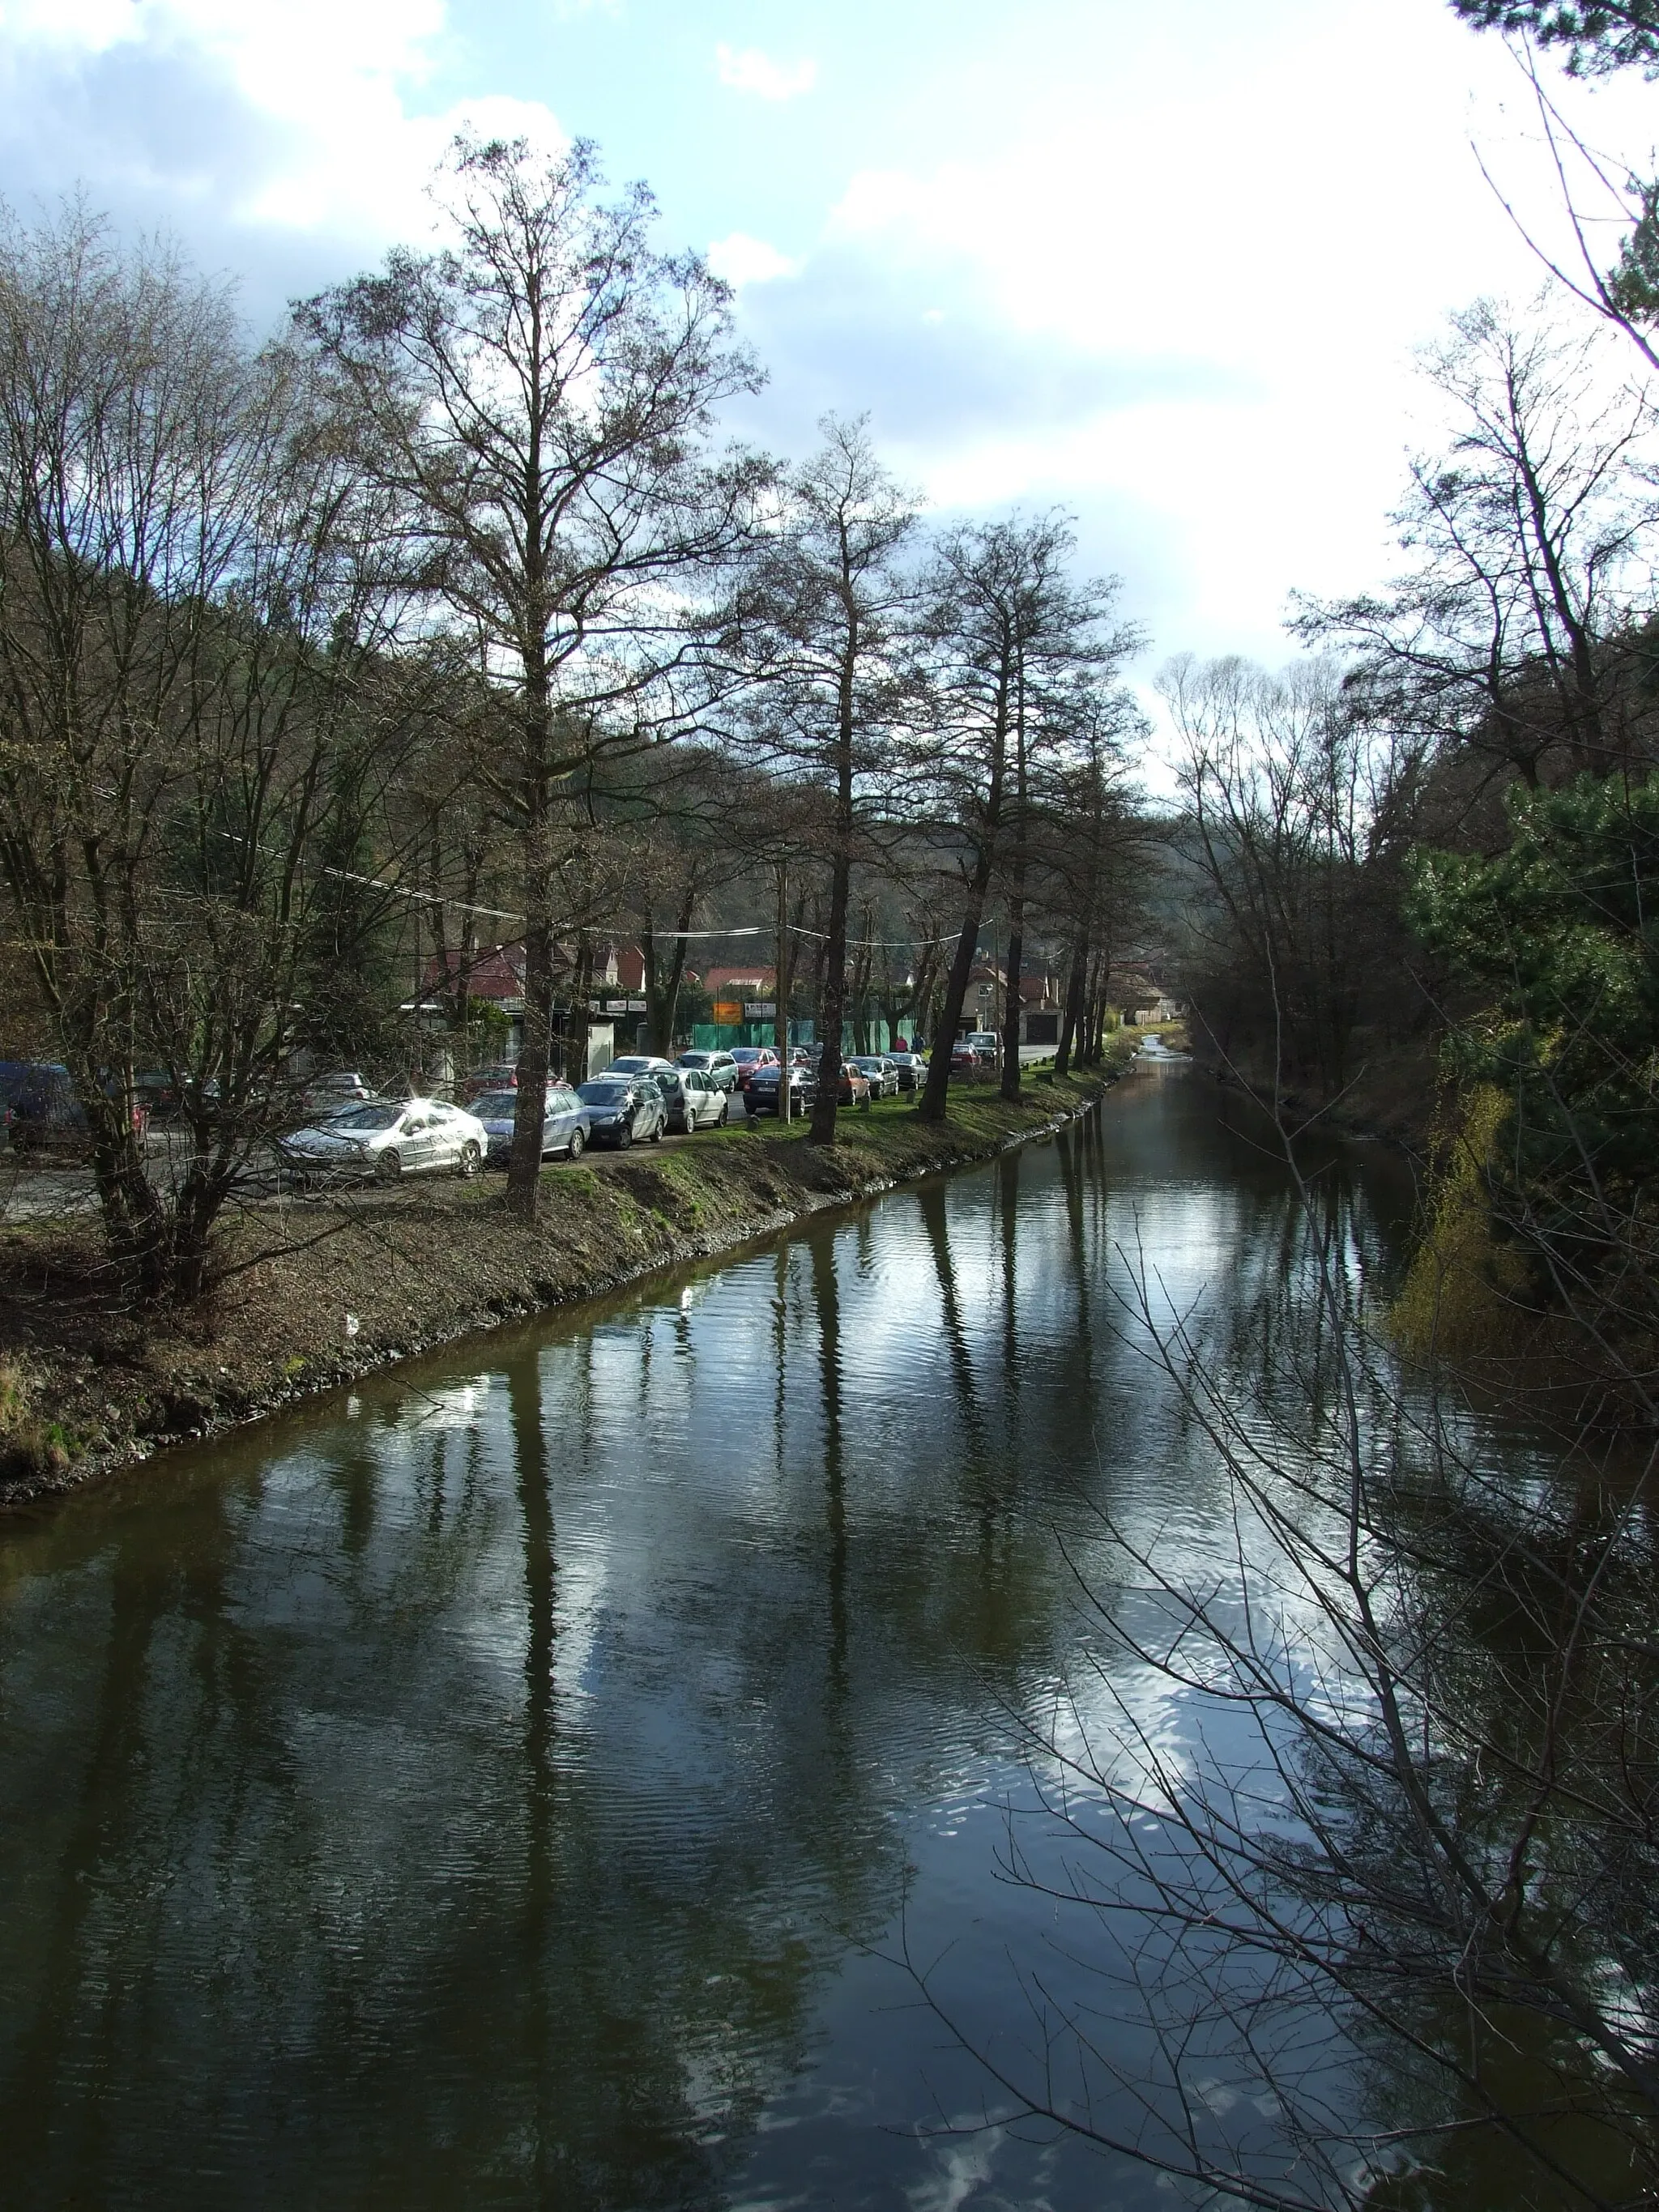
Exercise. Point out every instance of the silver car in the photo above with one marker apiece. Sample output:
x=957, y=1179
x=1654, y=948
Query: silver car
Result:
x=719, y=1066
x=389, y=1139
x=704, y=1104
x=564, y=1125
x=883, y=1074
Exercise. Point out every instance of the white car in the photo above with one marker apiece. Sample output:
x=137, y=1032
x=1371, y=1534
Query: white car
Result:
x=389, y=1139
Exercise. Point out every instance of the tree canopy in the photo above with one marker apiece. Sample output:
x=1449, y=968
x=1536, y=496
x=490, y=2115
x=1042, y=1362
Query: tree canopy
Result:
x=1611, y=35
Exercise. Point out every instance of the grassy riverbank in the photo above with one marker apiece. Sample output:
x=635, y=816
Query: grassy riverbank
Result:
x=311, y=1293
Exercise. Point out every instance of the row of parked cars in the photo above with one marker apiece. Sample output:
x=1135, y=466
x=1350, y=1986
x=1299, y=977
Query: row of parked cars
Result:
x=347, y=1126
x=636, y=1100
x=757, y=1072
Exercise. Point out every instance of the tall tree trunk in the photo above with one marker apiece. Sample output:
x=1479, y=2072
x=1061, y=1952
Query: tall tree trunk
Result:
x=1012, y=1000
x=1090, y=1054
x=834, y=951
x=582, y=1009
x=662, y=985
x=524, y=1169
x=1071, y=1019
x=934, y=1097
x=862, y=966
x=833, y=1006
x=780, y=996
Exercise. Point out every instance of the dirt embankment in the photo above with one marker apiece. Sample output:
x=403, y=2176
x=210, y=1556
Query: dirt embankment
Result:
x=311, y=1293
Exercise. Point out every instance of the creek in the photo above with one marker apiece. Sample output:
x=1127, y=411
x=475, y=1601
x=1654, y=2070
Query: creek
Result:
x=513, y=1783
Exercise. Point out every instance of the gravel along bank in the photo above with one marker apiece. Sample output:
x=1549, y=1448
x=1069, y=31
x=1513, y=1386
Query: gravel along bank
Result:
x=313, y=1293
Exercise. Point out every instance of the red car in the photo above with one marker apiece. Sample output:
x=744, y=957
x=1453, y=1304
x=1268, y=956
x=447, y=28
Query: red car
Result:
x=502, y=1076
x=749, y=1057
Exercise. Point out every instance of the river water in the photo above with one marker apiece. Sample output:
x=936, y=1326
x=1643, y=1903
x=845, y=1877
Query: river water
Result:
x=521, y=1781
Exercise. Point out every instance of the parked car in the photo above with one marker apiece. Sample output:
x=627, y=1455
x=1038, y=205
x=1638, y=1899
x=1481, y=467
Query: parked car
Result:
x=719, y=1066
x=693, y=1102
x=883, y=1075
x=911, y=1069
x=641, y=1063
x=44, y=1110
x=325, y=1095
x=696, y=1102
x=855, y=1084
x=671, y=1081
x=747, y=1058
x=389, y=1139
x=499, y=1075
x=564, y=1123
x=987, y=1044
x=761, y=1095
x=624, y=1109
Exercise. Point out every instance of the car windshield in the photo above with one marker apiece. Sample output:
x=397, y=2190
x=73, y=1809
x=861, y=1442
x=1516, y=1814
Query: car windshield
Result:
x=603, y=1094
x=369, y=1118
x=496, y=1105
x=747, y=1052
x=694, y=1059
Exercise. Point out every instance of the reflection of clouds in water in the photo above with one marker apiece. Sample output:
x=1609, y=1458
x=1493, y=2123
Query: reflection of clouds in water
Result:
x=775, y=1675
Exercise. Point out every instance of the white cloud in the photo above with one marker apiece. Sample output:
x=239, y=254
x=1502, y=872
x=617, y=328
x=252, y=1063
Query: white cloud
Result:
x=743, y=260
x=332, y=141
x=748, y=69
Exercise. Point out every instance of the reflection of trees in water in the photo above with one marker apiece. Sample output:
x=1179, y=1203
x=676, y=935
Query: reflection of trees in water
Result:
x=329, y=1913
x=1375, y=1920
x=477, y=1800
x=827, y=1286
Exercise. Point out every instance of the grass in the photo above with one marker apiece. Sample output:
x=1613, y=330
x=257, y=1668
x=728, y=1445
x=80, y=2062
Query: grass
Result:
x=29, y=1446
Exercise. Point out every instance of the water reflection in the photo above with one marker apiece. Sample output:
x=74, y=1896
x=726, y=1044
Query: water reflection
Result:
x=503, y=1793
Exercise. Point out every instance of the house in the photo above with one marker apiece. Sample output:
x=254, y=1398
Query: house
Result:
x=494, y=977
x=736, y=991
x=1040, y=1006
x=1142, y=1001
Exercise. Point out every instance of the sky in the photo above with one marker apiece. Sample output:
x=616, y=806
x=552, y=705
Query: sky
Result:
x=1164, y=263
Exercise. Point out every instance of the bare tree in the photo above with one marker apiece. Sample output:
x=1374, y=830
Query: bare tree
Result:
x=1007, y=628
x=1529, y=567
x=190, y=625
x=830, y=606
x=540, y=395
x=1299, y=812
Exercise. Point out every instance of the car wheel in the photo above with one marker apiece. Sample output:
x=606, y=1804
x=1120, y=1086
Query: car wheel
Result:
x=656, y=1134
x=470, y=1161
x=721, y=1118
x=388, y=1168
x=625, y=1137
x=577, y=1143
